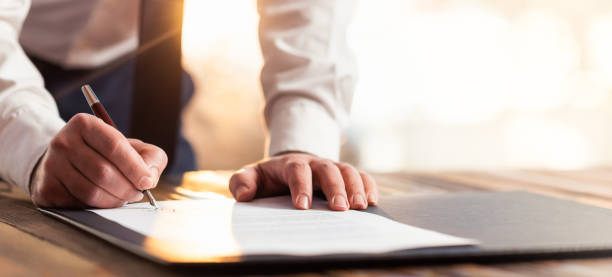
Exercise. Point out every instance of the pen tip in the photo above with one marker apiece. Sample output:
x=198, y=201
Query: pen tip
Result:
x=151, y=199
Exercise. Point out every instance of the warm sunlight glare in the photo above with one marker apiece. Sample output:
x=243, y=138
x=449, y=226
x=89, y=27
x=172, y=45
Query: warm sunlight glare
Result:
x=211, y=24
x=600, y=43
x=454, y=84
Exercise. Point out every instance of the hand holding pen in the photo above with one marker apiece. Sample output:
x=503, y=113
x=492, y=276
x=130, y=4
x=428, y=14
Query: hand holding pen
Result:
x=89, y=163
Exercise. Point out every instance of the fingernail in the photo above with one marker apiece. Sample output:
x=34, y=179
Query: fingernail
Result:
x=359, y=201
x=372, y=199
x=340, y=202
x=302, y=202
x=145, y=182
x=240, y=192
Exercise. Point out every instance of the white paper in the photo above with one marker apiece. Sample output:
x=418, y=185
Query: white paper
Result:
x=221, y=227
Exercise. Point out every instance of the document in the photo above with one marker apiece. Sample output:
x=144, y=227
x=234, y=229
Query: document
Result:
x=194, y=229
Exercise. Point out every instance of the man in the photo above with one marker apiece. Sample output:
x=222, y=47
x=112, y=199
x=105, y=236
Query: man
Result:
x=307, y=78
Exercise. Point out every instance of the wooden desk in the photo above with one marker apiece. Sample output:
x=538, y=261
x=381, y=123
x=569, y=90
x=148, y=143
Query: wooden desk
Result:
x=32, y=244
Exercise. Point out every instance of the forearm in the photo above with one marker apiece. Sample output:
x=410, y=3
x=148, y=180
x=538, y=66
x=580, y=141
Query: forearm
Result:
x=28, y=115
x=308, y=75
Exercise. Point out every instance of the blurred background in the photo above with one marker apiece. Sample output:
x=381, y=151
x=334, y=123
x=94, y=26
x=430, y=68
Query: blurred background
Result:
x=444, y=85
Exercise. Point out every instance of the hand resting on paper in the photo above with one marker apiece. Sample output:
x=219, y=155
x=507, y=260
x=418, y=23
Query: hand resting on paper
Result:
x=91, y=164
x=344, y=186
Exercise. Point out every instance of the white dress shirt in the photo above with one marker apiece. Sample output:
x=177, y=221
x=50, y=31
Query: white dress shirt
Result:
x=307, y=78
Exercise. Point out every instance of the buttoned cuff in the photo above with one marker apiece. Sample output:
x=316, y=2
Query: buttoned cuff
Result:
x=300, y=124
x=25, y=138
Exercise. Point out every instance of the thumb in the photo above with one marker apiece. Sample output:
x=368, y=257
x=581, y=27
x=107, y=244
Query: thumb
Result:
x=243, y=184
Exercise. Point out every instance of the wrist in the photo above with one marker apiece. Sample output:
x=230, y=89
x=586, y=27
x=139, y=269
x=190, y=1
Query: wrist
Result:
x=34, y=170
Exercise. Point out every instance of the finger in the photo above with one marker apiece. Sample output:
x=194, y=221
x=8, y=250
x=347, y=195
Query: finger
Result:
x=371, y=188
x=87, y=192
x=298, y=176
x=53, y=194
x=49, y=191
x=111, y=144
x=153, y=156
x=354, y=186
x=329, y=178
x=100, y=172
x=243, y=184
x=69, y=201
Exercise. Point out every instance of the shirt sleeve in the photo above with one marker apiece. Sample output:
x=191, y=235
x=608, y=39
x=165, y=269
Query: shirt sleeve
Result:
x=28, y=114
x=309, y=74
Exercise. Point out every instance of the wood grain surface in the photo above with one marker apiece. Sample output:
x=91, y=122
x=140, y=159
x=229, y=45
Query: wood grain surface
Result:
x=32, y=244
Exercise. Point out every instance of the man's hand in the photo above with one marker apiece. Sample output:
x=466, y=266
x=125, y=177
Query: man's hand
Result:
x=91, y=164
x=344, y=186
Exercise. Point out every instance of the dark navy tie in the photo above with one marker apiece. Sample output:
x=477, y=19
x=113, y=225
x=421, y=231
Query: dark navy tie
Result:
x=156, y=105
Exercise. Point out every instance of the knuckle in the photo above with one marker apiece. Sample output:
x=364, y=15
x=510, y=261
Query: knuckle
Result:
x=325, y=165
x=81, y=120
x=60, y=142
x=296, y=165
x=285, y=159
x=114, y=146
x=102, y=174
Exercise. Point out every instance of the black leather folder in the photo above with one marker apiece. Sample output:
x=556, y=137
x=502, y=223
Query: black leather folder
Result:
x=510, y=226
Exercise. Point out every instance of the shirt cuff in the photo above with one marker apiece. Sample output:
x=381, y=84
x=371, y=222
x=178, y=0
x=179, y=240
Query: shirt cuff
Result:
x=300, y=124
x=26, y=136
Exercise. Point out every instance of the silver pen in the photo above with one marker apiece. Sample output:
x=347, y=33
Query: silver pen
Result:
x=100, y=112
